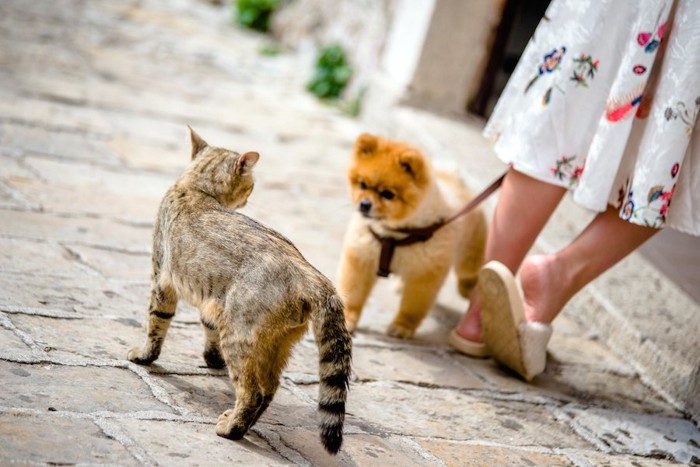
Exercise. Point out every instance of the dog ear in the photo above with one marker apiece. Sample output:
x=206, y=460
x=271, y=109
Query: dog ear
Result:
x=245, y=162
x=412, y=163
x=366, y=144
x=197, y=142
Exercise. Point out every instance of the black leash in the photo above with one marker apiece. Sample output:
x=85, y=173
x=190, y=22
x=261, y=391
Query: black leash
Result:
x=421, y=234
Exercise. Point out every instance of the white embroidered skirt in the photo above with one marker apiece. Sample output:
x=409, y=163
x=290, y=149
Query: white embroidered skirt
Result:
x=604, y=101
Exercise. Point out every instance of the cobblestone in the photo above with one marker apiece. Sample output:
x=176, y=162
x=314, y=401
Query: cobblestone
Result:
x=95, y=97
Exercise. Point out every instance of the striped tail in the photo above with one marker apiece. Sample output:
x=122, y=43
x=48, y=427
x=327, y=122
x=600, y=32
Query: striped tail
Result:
x=335, y=353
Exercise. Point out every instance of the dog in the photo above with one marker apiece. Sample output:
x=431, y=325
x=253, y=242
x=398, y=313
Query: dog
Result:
x=394, y=186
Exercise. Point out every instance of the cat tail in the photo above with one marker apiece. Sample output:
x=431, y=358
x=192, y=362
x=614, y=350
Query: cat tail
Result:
x=335, y=355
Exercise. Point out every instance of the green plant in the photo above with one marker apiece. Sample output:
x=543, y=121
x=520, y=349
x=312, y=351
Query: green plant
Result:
x=255, y=14
x=352, y=106
x=270, y=49
x=331, y=73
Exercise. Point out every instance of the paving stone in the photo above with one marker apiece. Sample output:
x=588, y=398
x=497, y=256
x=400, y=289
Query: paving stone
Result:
x=197, y=444
x=75, y=389
x=640, y=434
x=416, y=366
x=11, y=199
x=112, y=338
x=10, y=341
x=39, y=258
x=115, y=264
x=80, y=294
x=94, y=102
x=470, y=454
x=357, y=449
x=611, y=460
x=14, y=167
x=209, y=396
x=42, y=439
x=171, y=159
x=63, y=199
x=390, y=407
x=90, y=177
x=24, y=139
x=203, y=396
x=107, y=234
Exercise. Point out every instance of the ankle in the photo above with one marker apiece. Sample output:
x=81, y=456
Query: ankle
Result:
x=470, y=325
x=546, y=282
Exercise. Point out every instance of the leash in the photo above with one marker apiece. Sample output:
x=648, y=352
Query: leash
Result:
x=421, y=234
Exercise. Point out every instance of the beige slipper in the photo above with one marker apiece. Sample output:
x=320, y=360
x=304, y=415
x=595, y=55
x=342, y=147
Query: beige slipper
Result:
x=467, y=347
x=518, y=344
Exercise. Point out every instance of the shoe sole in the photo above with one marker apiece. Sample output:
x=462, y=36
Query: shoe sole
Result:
x=501, y=312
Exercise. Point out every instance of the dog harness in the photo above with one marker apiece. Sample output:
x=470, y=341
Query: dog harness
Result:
x=421, y=234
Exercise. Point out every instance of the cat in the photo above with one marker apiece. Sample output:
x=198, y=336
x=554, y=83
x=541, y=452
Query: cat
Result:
x=255, y=291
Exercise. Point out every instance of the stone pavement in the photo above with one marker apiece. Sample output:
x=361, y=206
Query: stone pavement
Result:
x=96, y=96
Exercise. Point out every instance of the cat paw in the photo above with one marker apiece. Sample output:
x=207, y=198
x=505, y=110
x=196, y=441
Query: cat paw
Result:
x=226, y=428
x=213, y=359
x=137, y=355
x=402, y=332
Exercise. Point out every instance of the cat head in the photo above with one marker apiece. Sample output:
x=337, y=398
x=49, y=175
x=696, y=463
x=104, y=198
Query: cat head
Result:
x=225, y=175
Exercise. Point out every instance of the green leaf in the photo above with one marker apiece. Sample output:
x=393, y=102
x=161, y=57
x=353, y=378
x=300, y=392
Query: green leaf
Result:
x=654, y=193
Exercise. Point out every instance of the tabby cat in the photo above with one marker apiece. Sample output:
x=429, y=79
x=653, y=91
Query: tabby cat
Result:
x=255, y=291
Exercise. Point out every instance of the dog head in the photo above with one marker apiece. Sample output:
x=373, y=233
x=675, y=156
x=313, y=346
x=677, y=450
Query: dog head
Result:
x=387, y=178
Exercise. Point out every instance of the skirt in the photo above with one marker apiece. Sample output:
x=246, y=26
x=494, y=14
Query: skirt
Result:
x=604, y=101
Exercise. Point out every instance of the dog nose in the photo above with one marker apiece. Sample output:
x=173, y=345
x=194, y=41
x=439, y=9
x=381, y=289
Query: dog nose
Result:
x=365, y=206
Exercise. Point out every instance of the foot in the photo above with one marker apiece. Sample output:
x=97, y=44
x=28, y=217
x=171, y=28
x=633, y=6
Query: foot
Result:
x=469, y=327
x=513, y=341
x=141, y=356
x=400, y=330
x=543, y=280
x=226, y=426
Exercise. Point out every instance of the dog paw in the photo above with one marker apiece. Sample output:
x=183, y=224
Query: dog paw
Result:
x=465, y=286
x=402, y=332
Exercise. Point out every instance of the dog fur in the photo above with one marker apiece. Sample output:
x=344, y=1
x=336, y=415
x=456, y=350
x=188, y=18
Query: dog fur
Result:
x=394, y=186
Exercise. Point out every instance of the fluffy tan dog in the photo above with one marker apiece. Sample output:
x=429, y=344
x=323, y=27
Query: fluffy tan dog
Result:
x=394, y=186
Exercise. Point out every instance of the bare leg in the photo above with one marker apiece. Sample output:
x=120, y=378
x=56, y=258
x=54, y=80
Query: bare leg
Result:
x=604, y=242
x=524, y=206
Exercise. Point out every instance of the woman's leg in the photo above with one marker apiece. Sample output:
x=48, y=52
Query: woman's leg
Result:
x=550, y=281
x=524, y=206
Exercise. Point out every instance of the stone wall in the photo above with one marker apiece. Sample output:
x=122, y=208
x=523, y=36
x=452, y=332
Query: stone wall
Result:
x=360, y=26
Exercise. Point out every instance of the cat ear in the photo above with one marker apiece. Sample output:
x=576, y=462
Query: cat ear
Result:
x=197, y=142
x=366, y=144
x=245, y=163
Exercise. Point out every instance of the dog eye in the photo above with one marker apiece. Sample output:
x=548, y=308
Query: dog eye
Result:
x=386, y=194
x=363, y=185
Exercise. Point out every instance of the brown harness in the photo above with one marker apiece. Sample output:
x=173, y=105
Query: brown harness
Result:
x=421, y=234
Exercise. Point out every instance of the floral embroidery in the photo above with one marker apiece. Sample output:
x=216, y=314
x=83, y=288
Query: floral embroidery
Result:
x=658, y=202
x=564, y=168
x=657, y=193
x=547, y=96
x=628, y=209
x=639, y=69
x=650, y=40
x=674, y=170
x=684, y=113
x=552, y=60
x=585, y=66
x=619, y=108
x=550, y=63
